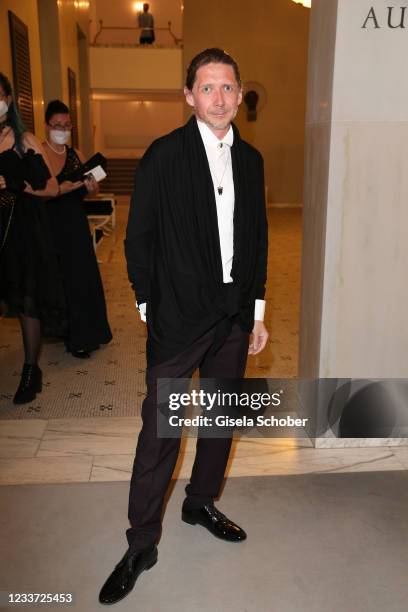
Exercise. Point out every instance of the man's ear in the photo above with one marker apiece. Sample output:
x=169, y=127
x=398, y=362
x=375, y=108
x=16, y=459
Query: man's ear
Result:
x=189, y=97
x=240, y=96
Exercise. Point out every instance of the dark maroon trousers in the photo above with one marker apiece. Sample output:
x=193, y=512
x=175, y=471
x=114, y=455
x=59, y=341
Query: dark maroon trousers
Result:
x=156, y=457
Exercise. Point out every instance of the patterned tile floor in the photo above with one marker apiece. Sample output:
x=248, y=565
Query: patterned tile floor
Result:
x=111, y=383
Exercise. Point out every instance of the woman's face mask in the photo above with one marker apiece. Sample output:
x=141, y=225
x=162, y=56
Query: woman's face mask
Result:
x=60, y=137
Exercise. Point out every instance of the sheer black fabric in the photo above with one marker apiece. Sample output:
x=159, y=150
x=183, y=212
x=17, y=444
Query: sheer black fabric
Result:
x=30, y=280
x=31, y=332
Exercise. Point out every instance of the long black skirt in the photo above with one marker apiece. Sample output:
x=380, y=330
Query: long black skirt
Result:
x=88, y=325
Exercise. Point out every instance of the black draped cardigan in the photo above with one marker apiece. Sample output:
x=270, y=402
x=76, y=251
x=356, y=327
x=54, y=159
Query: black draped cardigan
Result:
x=172, y=242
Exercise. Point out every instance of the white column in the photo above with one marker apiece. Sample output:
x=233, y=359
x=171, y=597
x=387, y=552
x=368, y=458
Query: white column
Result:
x=355, y=251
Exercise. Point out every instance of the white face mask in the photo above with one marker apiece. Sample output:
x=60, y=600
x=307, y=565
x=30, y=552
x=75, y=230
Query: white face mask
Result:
x=3, y=108
x=60, y=137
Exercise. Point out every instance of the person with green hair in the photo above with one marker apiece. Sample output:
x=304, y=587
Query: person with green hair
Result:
x=30, y=285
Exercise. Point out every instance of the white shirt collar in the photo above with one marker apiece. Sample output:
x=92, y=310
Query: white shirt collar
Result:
x=210, y=139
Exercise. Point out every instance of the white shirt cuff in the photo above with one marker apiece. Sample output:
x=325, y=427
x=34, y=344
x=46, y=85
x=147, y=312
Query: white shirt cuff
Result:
x=259, y=310
x=142, y=310
x=258, y=316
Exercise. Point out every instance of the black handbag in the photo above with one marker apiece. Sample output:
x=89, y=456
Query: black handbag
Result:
x=96, y=160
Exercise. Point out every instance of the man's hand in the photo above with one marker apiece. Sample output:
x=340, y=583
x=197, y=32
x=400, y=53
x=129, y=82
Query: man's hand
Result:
x=142, y=311
x=259, y=338
x=2, y=182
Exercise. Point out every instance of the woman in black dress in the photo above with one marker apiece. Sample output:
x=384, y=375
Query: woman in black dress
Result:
x=30, y=287
x=88, y=326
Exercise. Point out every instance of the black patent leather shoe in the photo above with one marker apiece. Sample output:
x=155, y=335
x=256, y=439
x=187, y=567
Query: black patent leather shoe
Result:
x=216, y=522
x=30, y=384
x=123, y=578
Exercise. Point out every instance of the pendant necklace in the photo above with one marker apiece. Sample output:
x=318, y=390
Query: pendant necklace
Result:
x=220, y=188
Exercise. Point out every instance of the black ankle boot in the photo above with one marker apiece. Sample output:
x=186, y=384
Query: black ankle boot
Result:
x=30, y=384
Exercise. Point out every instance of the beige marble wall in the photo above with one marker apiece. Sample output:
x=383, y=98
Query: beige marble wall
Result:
x=364, y=330
x=317, y=165
x=356, y=189
x=354, y=292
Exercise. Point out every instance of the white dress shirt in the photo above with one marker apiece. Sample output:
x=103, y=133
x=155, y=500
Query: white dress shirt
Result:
x=219, y=160
x=220, y=163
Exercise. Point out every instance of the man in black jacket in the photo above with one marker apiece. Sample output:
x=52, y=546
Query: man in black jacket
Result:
x=196, y=248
